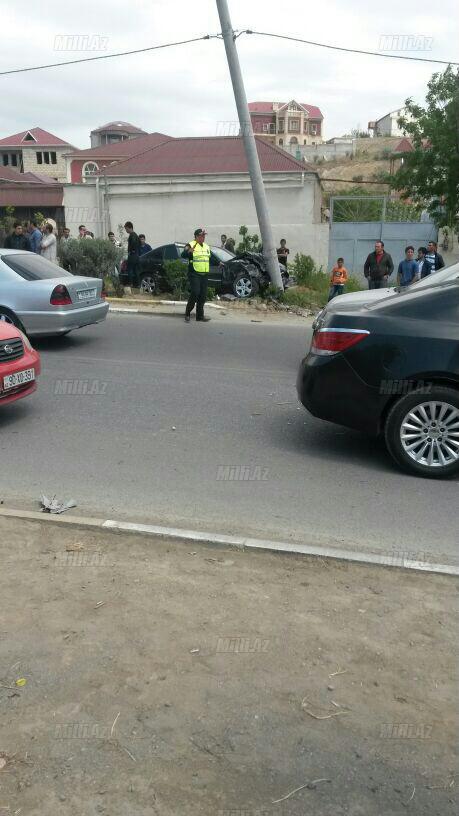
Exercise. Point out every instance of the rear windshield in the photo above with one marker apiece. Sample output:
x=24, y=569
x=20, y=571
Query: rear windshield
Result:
x=33, y=267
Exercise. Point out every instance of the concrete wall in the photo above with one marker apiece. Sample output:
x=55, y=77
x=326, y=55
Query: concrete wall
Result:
x=170, y=209
x=329, y=152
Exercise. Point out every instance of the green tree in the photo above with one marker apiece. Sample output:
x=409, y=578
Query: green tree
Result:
x=429, y=175
x=248, y=243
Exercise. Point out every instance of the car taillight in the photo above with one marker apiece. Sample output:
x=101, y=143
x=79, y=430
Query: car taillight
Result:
x=332, y=341
x=60, y=296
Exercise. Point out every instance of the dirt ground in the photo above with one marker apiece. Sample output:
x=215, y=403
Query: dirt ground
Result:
x=168, y=680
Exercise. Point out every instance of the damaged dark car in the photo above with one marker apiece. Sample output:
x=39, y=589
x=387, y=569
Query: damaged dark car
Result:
x=240, y=275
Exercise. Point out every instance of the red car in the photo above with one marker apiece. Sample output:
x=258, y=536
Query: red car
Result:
x=19, y=364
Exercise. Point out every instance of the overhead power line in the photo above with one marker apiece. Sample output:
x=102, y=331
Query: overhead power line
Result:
x=107, y=56
x=348, y=50
x=219, y=36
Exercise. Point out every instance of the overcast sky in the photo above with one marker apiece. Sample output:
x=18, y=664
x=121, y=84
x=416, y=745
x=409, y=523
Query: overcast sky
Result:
x=186, y=90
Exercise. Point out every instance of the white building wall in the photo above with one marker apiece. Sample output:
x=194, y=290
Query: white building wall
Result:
x=169, y=210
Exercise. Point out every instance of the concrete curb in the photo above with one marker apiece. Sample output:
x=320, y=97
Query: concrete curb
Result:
x=239, y=542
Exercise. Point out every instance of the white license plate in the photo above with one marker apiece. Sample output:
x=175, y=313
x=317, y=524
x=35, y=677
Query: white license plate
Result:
x=20, y=378
x=87, y=294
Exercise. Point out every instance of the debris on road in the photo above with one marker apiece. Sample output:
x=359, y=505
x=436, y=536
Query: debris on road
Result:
x=309, y=785
x=55, y=506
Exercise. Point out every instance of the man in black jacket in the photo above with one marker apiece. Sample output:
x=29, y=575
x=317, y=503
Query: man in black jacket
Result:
x=17, y=239
x=133, y=254
x=433, y=258
x=378, y=267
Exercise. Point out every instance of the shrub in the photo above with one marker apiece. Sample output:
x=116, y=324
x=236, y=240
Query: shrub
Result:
x=210, y=293
x=96, y=258
x=176, y=275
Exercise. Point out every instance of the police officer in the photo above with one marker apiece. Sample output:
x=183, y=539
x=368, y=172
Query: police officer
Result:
x=199, y=257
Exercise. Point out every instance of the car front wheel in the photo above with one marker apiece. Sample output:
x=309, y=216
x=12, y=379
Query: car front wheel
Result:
x=244, y=286
x=422, y=432
x=148, y=284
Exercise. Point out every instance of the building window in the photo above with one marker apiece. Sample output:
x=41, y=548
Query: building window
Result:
x=306, y=126
x=46, y=157
x=5, y=159
x=293, y=140
x=294, y=125
x=281, y=142
x=89, y=169
x=313, y=130
x=53, y=158
x=305, y=142
x=269, y=127
x=281, y=125
x=39, y=158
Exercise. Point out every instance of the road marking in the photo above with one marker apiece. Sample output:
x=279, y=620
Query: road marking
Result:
x=241, y=542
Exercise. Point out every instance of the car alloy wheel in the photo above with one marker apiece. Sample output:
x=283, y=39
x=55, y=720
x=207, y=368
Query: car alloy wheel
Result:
x=429, y=434
x=422, y=432
x=243, y=286
x=148, y=284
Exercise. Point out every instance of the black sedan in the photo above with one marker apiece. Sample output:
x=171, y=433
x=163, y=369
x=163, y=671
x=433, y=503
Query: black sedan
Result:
x=392, y=367
x=228, y=273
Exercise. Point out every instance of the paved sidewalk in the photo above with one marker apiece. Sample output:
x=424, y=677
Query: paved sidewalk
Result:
x=174, y=680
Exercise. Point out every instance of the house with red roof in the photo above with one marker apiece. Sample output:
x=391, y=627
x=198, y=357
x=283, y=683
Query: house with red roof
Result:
x=169, y=189
x=29, y=193
x=82, y=164
x=35, y=151
x=287, y=123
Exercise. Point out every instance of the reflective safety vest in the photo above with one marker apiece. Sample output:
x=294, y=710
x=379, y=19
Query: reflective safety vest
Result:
x=201, y=257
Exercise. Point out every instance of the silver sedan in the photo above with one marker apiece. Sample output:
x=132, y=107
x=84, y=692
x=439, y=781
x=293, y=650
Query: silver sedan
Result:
x=42, y=299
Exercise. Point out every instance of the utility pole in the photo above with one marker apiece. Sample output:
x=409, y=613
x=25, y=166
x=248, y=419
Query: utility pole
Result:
x=259, y=194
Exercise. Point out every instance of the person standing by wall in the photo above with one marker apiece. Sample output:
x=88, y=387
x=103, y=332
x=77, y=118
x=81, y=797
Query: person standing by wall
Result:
x=143, y=246
x=433, y=258
x=283, y=252
x=408, y=270
x=423, y=264
x=17, y=239
x=199, y=254
x=35, y=237
x=133, y=254
x=338, y=279
x=49, y=244
x=378, y=267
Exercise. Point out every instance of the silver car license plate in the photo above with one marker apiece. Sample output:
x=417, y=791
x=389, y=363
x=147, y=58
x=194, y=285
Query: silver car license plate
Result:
x=87, y=294
x=20, y=378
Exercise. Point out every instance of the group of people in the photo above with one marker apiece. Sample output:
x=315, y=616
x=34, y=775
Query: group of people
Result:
x=34, y=238
x=379, y=266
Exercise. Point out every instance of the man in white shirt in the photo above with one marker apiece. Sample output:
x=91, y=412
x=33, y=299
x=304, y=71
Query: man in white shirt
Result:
x=49, y=244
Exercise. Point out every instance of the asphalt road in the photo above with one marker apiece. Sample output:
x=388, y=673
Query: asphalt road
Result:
x=168, y=404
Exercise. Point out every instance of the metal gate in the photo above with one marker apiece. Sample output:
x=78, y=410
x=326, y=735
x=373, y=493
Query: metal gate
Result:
x=354, y=240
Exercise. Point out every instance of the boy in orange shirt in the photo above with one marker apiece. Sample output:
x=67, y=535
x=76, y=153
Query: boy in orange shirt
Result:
x=338, y=279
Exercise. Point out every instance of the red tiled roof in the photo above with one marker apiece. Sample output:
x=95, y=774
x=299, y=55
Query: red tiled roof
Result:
x=41, y=139
x=267, y=107
x=125, y=126
x=12, y=175
x=404, y=146
x=206, y=155
x=122, y=150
